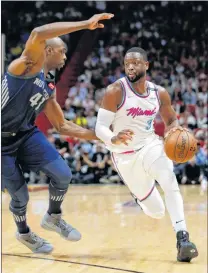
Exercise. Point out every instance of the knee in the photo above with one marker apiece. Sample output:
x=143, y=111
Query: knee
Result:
x=20, y=199
x=65, y=176
x=162, y=171
x=167, y=180
x=62, y=178
x=157, y=212
x=59, y=172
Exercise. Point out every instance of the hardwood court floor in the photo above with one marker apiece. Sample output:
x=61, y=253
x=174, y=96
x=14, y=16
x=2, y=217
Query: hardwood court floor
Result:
x=117, y=236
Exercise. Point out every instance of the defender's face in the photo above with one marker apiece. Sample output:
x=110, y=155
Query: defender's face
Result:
x=56, y=57
x=59, y=57
x=135, y=66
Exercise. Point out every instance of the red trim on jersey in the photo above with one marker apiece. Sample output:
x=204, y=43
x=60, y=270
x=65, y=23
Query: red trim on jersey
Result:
x=147, y=194
x=128, y=152
x=113, y=158
x=124, y=96
x=156, y=91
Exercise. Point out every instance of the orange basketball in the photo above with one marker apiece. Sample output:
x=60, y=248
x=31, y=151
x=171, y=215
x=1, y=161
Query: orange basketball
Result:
x=180, y=146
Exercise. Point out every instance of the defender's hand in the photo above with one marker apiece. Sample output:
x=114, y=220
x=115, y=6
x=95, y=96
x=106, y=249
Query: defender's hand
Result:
x=94, y=20
x=122, y=137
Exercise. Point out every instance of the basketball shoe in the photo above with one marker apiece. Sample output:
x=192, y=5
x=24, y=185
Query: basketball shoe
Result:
x=54, y=222
x=186, y=249
x=34, y=242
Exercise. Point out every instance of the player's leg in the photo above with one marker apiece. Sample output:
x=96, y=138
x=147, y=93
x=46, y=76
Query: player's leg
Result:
x=140, y=184
x=152, y=205
x=14, y=182
x=162, y=171
x=38, y=154
x=60, y=175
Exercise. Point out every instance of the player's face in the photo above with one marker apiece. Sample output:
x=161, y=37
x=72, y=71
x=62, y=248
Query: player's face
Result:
x=59, y=57
x=56, y=56
x=135, y=66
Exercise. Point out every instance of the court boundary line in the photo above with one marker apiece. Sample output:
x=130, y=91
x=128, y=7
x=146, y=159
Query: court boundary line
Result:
x=71, y=262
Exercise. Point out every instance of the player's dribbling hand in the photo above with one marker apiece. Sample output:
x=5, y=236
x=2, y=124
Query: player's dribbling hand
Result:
x=94, y=20
x=122, y=137
x=174, y=129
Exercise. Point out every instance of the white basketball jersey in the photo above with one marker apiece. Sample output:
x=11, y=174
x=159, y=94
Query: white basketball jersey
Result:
x=136, y=112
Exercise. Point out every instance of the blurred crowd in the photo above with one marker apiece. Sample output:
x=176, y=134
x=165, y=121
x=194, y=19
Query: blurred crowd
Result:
x=175, y=36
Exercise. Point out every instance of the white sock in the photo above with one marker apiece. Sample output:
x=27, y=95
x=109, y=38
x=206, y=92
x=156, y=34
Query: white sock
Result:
x=162, y=171
x=174, y=205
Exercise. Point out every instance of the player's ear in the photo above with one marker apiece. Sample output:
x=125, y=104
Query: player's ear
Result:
x=147, y=65
x=49, y=50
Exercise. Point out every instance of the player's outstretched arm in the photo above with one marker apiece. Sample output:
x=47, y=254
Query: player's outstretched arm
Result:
x=49, y=31
x=55, y=115
x=167, y=113
x=33, y=56
x=106, y=114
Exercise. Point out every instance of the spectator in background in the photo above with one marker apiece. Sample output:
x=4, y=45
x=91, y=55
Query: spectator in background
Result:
x=91, y=119
x=191, y=120
x=189, y=97
x=202, y=120
x=88, y=104
x=83, y=168
x=69, y=112
x=74, y=90
x=99, y=160
x=203, y=88
x=201, y=156
x=80, y=118
x=192, y=172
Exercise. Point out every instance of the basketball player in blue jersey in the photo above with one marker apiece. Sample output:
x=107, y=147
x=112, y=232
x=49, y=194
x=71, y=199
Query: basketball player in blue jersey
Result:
x=133, y=102
x=25, y=93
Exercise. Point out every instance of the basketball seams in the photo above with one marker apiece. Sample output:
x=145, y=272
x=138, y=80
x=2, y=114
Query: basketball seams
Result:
x=188, y=147
x=176, y=147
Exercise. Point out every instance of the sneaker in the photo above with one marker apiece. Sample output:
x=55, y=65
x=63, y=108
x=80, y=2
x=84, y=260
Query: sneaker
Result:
x=54, y=222
x=186, y=249
x=34, y=242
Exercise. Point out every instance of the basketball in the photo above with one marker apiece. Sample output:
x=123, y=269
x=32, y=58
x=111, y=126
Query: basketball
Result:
x=180, y=146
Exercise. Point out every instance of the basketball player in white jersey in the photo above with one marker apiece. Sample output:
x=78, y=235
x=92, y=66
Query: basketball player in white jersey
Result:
x=132, y=103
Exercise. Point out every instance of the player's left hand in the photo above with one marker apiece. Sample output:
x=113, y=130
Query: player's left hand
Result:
x=94, y=20
x=174, y=129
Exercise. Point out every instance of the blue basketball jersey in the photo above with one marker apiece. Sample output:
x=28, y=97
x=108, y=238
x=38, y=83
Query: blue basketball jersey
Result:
x=23, y=98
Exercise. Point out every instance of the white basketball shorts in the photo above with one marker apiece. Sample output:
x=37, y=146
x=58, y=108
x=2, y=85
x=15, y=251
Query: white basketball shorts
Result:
x=133, y=168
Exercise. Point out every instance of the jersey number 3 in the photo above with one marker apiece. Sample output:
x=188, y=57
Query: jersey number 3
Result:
x=149, y=124
x=37, y=99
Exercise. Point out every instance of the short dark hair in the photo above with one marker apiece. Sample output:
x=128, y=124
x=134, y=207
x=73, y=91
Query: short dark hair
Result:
x=138, y=50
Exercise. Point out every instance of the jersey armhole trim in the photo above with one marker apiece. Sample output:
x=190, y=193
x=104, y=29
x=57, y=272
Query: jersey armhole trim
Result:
x=157, y=95
x=123, y=96
x=23, y=77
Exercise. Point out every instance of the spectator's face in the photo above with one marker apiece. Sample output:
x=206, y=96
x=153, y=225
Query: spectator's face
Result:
x=135, y=66
x=203, y=81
